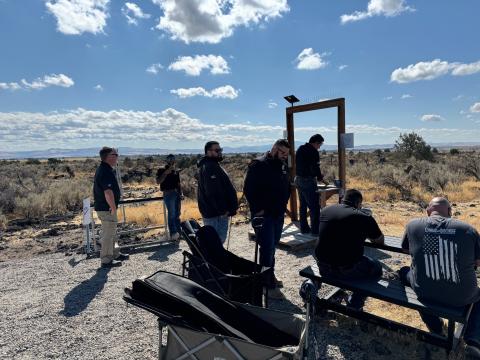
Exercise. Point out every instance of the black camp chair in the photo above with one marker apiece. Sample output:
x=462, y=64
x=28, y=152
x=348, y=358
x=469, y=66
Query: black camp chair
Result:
x=219, y=270
x=199, y=324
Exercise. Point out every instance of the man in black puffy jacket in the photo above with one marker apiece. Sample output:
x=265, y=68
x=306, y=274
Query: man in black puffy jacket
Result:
x=217, y=198
x=267, y=190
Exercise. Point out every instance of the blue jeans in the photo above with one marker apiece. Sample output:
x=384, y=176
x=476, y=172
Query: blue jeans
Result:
x=435, y=324
x=307, y=192
x=268, y=237
x=171, y=198
x=220, y=224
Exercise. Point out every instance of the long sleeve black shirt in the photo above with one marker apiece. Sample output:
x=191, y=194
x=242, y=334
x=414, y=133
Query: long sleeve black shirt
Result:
x=308, y=162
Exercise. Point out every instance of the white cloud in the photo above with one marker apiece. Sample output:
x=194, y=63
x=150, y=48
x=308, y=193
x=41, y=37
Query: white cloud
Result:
x=222, y=92
x=388, y=98
x=388, y=8
x=212, y=20
x=475, y=108
x=75, y=17
x=272, y=105
x=429, y=70
x=76, y=128
x=342, y=67
x=154, y=68
x=466, y=69
x=431, y=118
x=309, y=60
x=10, y=86
x=406, y=96
x=421, y=71
x=194, y=65
x=98, y=87
x=40, y=83
x=133, y=13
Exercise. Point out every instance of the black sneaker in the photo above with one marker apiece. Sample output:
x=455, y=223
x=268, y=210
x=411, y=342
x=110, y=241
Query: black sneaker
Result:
x=113, y=263
x=123, y=256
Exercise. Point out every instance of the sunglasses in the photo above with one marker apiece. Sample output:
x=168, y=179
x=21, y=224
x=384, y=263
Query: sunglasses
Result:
x=219, y=150
x=113, y=154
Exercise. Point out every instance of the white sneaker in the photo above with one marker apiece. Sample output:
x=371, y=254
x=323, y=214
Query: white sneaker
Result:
x=175, y=236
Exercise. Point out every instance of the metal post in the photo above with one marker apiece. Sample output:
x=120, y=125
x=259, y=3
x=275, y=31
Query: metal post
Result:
x=165, y=220
x=293, y=190
x=94, y=238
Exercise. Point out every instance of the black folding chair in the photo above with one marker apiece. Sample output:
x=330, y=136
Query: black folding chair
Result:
x=219, y=270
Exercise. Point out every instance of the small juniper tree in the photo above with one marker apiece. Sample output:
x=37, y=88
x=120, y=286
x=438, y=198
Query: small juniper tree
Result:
x=413, y=145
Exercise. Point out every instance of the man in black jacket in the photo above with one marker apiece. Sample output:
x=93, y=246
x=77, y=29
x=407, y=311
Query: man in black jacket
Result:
x=267, y=191
x=217, y=198
x=307, y=174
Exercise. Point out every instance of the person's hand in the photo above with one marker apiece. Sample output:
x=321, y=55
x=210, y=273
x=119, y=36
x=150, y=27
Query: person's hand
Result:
x=169, y=170
x=325, y=182
x=113, y=211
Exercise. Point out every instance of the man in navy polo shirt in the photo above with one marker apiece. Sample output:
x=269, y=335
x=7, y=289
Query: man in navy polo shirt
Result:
x=106, y=194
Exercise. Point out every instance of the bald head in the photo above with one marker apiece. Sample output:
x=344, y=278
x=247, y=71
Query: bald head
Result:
x=439, y=206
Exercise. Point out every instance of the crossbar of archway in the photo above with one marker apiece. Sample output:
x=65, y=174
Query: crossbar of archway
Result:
x=339, y=103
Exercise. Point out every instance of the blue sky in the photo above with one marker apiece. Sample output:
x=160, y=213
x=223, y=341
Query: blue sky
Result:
x=174, y=74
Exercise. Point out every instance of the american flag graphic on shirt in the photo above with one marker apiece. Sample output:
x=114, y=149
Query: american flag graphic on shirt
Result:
x=440, y=254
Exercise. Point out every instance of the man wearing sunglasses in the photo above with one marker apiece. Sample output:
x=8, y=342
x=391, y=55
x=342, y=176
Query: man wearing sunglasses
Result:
x=106, y=194
x=217, y=197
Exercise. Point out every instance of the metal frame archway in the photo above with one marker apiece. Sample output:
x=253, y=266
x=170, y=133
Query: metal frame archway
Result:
x=290, y=111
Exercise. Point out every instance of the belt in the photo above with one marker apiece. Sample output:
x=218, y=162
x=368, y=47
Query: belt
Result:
x=169, y=191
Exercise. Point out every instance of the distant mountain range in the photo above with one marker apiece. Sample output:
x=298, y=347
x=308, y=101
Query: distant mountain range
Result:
x=128, y=151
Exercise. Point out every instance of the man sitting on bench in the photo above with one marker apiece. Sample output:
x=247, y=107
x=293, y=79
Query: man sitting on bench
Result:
x=339, y=251
x=444, y=254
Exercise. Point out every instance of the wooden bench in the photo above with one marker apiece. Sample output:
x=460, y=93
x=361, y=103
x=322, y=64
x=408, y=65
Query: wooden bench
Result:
x=393, y=291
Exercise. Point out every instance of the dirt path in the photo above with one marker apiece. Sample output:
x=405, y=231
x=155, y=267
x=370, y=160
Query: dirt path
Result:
x=64, y=307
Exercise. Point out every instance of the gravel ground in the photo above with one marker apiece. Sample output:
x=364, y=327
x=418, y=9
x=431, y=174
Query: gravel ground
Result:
x=65, y=307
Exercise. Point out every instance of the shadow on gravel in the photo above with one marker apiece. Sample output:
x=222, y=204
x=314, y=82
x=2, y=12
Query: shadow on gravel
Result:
x=163, y=252
x=81, y=295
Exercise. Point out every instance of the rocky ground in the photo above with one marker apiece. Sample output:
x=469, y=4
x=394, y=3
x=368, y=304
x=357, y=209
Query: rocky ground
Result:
x=62, y=306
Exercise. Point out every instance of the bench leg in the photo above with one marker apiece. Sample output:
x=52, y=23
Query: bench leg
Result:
x=455, y=334
x=450, y=334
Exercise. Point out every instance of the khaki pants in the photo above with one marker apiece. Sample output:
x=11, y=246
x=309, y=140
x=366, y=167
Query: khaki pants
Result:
x=109, y=250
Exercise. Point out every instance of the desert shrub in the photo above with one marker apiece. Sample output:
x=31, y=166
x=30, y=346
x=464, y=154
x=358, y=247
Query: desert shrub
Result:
x=53, y=161
x=7, y=200
x=471, y=166
x=413, y=145
x=32, y=206
x=33, y=162
x=454, y=151
x=3, y=221
x=396, y=179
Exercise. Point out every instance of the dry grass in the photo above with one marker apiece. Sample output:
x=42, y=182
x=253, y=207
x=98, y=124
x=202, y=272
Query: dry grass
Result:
x=392, y=216
x=153, y=213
